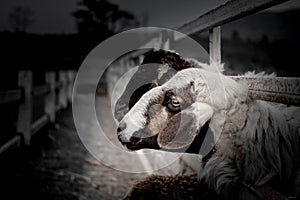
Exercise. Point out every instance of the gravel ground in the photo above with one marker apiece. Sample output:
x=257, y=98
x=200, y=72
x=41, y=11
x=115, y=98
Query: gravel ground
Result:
x=58, y=166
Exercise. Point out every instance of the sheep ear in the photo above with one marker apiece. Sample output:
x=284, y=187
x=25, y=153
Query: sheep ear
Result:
x=182, y=128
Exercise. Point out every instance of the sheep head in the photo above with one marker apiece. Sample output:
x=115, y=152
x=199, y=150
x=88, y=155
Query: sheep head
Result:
x=156, y=69
x=171, y=115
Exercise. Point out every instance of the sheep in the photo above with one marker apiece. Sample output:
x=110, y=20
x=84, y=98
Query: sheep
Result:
x=257, y=142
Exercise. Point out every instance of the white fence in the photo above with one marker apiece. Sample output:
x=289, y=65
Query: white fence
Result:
x=37, y=104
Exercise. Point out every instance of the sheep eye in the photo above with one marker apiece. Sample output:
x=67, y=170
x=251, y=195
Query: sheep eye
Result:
x=174, y=104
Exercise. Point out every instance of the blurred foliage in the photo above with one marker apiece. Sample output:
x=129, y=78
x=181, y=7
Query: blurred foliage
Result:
x=96, y=20
x=102, y=18
x=21, y=18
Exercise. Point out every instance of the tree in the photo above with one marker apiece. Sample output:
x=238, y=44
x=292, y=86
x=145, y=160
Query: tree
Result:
x=102, y=17
x=21, y=18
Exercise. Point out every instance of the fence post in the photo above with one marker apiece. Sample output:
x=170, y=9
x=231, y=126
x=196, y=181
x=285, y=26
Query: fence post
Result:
x=25, y=108
x=71, y=77
x=215, y=45
x=62, y=98
x=50, y=97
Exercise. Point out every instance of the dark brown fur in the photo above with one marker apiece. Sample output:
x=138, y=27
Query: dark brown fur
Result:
x=170, y=187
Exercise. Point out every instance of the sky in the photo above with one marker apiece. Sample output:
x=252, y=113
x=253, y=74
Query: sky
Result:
x=54, y=16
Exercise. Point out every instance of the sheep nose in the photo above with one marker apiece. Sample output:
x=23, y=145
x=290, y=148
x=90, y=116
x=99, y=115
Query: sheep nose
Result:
x=121, y=127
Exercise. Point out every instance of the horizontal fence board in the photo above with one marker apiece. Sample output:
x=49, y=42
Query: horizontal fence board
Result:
x=11, y=144
x=276, y=89
x=275, y=97
x=230, y=11
x=39, y=123
x=40, y=90
x=9, y=96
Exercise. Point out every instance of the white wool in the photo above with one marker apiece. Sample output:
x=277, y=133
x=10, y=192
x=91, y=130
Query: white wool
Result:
x=265, y=148
x=253, y=73
x=135, y=119
x=214, y=67
x=162, y=70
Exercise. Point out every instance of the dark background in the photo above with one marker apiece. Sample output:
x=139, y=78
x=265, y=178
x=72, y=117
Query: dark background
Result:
x=52, y=35
x=60, y=34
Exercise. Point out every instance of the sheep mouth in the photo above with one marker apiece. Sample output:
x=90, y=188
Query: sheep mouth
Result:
x=143, y=143
x=151, y=142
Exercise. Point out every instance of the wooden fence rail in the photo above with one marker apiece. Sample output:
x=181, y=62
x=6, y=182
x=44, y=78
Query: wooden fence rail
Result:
x=275, y=89
x=230, y=11
x=54, y=95
x=8, y=96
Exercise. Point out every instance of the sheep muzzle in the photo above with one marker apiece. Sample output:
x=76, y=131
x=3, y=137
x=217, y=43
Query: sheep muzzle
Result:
x=142, y=143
